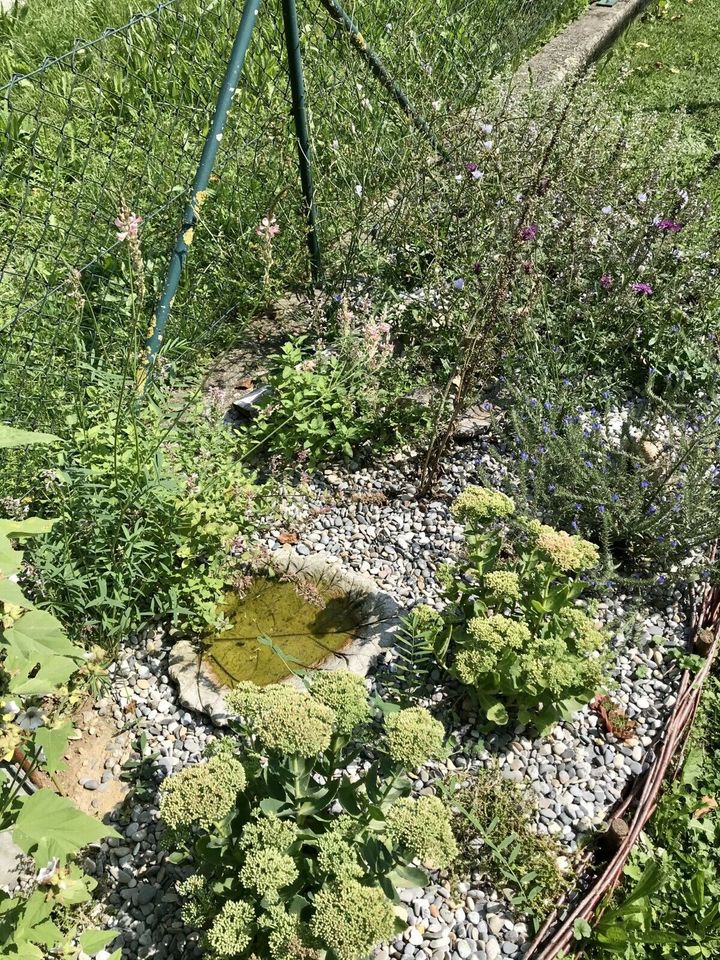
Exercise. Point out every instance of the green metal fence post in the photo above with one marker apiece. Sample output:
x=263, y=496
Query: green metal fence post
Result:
x=380, y=71
x=302, y=133
x=200, y=183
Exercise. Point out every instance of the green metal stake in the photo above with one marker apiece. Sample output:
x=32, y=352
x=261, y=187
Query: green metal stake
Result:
x=302, y=133
x=380, y=71
x=199, y=187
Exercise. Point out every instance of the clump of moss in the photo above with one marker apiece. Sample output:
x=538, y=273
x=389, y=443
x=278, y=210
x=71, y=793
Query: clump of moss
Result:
x=487, y=812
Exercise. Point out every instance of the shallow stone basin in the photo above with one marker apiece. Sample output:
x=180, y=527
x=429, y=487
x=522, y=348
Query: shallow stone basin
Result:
x=201, y=690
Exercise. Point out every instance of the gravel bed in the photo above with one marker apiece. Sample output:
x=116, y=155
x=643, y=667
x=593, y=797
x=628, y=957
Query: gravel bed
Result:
x=372, y=521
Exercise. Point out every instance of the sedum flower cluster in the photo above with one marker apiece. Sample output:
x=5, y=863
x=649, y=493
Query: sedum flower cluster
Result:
x=294, y=858
x=503, y=584
x=346, y=695
x=478, y=505
x=284, y=719
x=511, y=629
x=413, y=737
x=567, y=551
x=422, y=826
x=352, y=918
x=203, y=794
x=232, y=930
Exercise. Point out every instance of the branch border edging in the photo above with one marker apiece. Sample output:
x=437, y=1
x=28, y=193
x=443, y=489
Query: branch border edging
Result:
x=644, y=793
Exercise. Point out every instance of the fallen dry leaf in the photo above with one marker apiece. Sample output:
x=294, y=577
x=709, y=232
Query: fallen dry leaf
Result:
x=288, y=536
x=708, y=805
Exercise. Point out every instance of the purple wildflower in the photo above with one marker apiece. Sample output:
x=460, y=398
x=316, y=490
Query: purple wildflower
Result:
x=529, y=232
x=606, y=281
x=459, y=283
x=670, y=226
x=641, y=288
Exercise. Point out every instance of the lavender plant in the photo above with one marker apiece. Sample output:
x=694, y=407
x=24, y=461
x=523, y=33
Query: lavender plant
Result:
x=299, y=845
x=638, y=478
x=512, y=630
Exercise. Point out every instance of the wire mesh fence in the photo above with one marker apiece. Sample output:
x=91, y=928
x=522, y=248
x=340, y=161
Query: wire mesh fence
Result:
x=115, y=126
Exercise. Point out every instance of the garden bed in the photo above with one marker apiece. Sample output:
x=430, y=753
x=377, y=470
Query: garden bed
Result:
x=372, y=521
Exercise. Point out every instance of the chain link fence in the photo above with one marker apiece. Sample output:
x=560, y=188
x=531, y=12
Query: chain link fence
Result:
x=116, y=125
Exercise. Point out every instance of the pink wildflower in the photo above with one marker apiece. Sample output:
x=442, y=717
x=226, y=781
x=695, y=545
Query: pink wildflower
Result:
x=128, y=225
x=642, y=289
x=267, y=228
x=606, y=281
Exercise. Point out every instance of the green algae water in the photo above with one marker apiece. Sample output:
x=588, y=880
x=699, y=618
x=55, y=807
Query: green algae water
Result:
x=305, y=633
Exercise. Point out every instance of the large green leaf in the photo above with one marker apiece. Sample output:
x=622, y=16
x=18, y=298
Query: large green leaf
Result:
x=29, y=527
x=29, y=680
x=10, y=558
x=39, y=635
x=12, y=437
x=11, y=593
x=404, y=877
x=54, y=744
x=93, y=941
x=31, y=924
x=498, y=714
x=50, y=826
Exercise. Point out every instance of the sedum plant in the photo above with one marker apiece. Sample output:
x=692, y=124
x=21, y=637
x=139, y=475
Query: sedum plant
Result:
x=37, y=661
x=511, y=630
x=299, y=846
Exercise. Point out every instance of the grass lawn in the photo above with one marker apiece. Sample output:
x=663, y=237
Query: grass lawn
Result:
x=667, y=65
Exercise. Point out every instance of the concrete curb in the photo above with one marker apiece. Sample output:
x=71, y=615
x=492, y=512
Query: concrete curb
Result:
x=579, y=45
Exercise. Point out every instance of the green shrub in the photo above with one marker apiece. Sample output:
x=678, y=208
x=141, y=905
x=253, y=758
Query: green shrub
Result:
x=669, y=903
x=493, y=822
x=150, y=502
x=329, y=403
x=292, y=854
x=511, y=630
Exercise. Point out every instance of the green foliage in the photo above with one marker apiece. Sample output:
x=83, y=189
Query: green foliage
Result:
x=36, y=662
x=327, y=403
x=493, y=822
x=414, y=655
x=642, y=483
x=148, y=501
x=511, y=630
x=299, y=856
x=669, y=904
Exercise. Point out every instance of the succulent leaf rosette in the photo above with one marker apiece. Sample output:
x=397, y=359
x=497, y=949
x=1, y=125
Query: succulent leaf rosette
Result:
x=294, y=856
